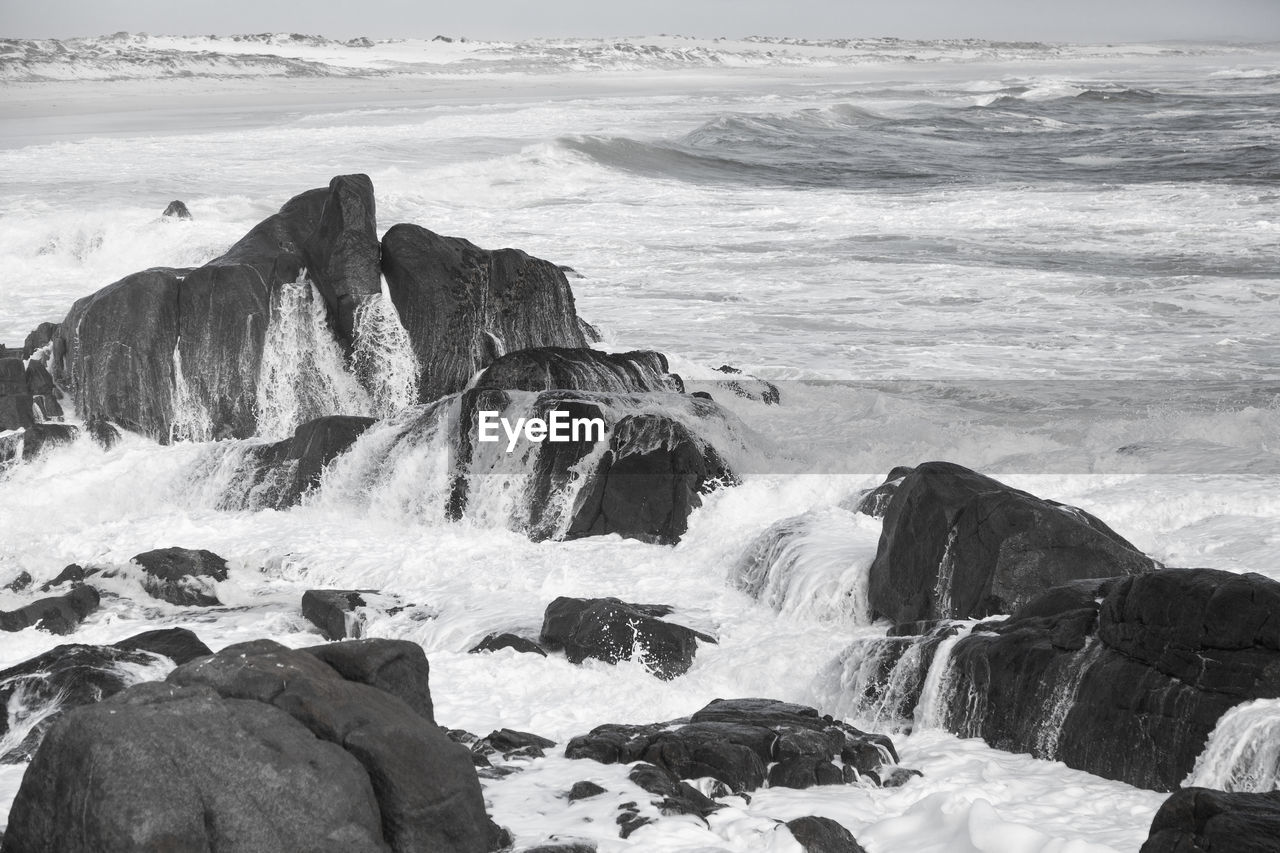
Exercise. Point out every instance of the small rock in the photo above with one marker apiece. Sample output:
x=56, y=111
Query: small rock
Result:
x=177, y=210
x=493, y=642
x=583, y=791
x=182, y=576
x=823, y=835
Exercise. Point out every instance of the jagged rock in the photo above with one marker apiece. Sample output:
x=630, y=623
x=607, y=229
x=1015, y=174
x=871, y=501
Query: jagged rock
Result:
x=333, y=611
x=584, y=790
x=611, y=630
x=163, y=336
x=823, y=835
x=648, y=482
x=875, y=503
x=39, y=337
x=73, y=574
x=427, y=790
x=177, y=210
x=277, y=475
x=735, y=741
x=59, y=614
x=1200, y=820
x=551, y=368
x=956, y=544
x=177, y=644
x=398, y=667
x=1129, y=689
x=62, y=678
x=462, y=305
x=104, y=434
x=493, y=642
x=675, y=797
x=182, y=576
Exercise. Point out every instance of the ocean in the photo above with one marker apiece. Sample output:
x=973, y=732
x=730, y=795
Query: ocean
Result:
x=1055, y=264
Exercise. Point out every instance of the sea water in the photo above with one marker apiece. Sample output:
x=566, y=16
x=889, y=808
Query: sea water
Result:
x=1055, y=264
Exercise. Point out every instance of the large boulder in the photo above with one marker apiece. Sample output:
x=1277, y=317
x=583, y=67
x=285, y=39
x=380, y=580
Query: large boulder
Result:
x=177, y=353
x=1129, y=688
x=957, y=544
x=398, y=667
x=552, y=368
x=1199, y=820
x=182, y=576
x=744, y=742
x=463, y=306
x=611, y=630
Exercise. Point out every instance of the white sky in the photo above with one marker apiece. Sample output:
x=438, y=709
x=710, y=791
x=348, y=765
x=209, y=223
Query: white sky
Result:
x=1045, y=20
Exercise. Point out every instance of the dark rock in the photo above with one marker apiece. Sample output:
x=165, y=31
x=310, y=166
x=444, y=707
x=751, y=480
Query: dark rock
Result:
x=956, y=544
x=1200, y=820
x=21, y=582
x=178, y=644
x=1129, y=689
x=456, y=299
x=161, y=767
x=177, y=210
x=39, y=338
x=674, y=797
x=277, y=475
x=734, y=741
x=398, y=667
x=342, y=252
x=48, y=407
x=17, y=412
x=876, y=502
x=823, y=835
x=749, y=387
x=804, y=772
x=104, y=434
x=59, y=614
x=551, y=368
x=39, y=381
x=584, y=790
x=493, y=642
x=333, y=611
x=44, y=437
x=611, y=630
x=590, y=332
x=426, y=787
x=72, y=574
x=13, y=377
x=62, y=678
x=509, y=743
x=182, y=576
x=649, y=481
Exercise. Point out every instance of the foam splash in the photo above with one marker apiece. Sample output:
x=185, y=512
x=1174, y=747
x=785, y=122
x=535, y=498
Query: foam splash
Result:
x=1243, y=752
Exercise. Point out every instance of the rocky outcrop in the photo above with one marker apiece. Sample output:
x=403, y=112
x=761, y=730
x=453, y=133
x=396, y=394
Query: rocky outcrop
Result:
x=1129, y=688
x=182, y=576
x=957, y=544
x=744, y=742
x=256, y=748
x=1199, y=820
x=611, y=630
x=58, y=614
x=464, y=306
x=559, y=368
x=176, y=353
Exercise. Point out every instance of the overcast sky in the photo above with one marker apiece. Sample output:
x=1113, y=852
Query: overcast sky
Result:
x=1046, y=20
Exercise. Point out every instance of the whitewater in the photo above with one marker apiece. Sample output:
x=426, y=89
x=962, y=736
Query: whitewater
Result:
x=1055, y=264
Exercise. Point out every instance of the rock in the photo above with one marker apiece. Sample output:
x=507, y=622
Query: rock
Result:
x=342, y=252
x=398, y=667
x=65, y=677
x=177, y=644
x=39, y=338
x=48, y=407
x=38, y=379
x=1200, y=820
x=177, y=210
x=562, y=846
x=176, y=353
x=509, y=743
x=40, y=438
x=19, y=583
x=584, y=790
x=675, y=797
x=463, y=305
x=494, y=642
x=182, y=576
x=749, y=387
x=103, y=434
x=276, y=476
x=956, y=544
x=823, y=835
x=17, y=412
x=181, y=768
x=552, y=368
x=59, y=614
x=333, y=611
x=590, y=332
x=611, y=630
x=73, y=574
x=13, y=377
x=876, y=502
x=427, y=790
x=648, y=482
x=735, y=741
x=1129, y=689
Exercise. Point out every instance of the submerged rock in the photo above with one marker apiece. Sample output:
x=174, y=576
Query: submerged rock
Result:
x=462, y=305
x=611, y=630
x=59, y=614
x=956, y=544
x=182, y=576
